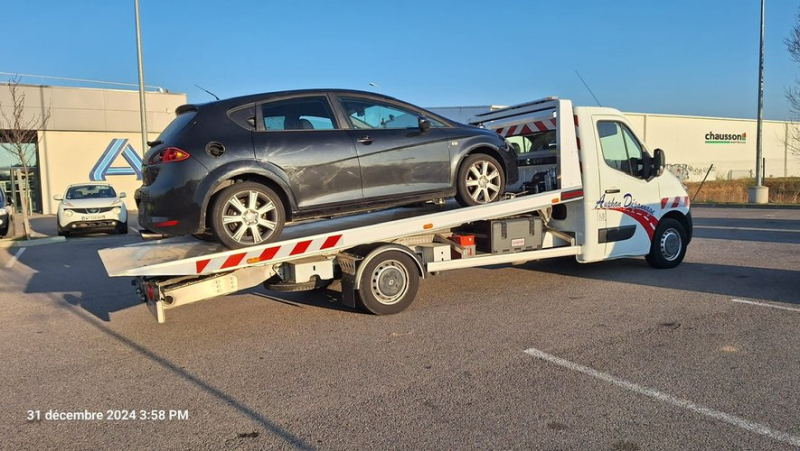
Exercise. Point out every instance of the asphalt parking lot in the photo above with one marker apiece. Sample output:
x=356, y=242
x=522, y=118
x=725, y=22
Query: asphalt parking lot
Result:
x=546, y=355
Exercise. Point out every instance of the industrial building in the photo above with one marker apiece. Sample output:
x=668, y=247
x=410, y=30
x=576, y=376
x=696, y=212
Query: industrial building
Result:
x=95, y=135
x=91, y=135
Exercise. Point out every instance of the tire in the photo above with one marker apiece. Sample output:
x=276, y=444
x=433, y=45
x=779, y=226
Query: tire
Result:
x=246, y=214
x=276, y=284
x=480, y=180
x=669, y=245
x=123, y=229
x=389, y=283
x=62, y=232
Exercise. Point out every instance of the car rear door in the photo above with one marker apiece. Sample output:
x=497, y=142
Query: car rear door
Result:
x=395, y=155
x=300, y=137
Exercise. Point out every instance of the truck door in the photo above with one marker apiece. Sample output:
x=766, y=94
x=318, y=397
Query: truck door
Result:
x=628, y=202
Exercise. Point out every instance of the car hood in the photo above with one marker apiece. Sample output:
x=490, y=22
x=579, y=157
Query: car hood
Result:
x=93, y=203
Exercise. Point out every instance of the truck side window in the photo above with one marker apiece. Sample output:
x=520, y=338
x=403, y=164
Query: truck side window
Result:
x=620, y=148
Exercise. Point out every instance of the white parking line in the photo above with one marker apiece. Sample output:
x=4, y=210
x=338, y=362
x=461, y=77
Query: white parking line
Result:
x=762, y=304
x=747, y=229
x=15, y=257
x=669, y=399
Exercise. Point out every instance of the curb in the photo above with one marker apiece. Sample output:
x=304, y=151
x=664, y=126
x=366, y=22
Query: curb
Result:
x=745, y=205
x=33, y=242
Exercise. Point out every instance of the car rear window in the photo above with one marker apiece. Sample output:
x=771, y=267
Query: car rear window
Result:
x=177, y=124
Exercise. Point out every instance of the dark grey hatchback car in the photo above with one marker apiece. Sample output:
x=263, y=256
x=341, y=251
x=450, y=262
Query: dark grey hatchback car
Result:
x=239, y=169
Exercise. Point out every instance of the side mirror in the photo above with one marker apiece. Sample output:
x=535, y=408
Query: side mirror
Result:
x=122, y=195
x=647, y=166
x=424, y=124
x=659, y=161
x=58, y=197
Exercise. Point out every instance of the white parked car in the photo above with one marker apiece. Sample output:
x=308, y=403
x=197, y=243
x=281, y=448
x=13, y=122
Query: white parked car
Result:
x=6, y=212
x=91, y=207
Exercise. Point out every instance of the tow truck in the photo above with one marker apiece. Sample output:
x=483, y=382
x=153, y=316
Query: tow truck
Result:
x=590, y=190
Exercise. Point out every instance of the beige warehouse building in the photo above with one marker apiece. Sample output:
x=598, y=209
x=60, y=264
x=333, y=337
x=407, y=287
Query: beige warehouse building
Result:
x=95, y=135
x=92, y=135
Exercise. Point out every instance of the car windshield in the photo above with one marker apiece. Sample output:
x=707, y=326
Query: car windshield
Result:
x=90, y=192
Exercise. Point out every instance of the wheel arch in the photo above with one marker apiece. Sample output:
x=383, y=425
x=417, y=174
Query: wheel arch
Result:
x=218, y=182
x=484, y=149
x=370, y=251
x=684, y=220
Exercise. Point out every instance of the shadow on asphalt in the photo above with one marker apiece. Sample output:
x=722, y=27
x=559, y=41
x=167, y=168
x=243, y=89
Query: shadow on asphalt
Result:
x=776, y=285
x=269, y=426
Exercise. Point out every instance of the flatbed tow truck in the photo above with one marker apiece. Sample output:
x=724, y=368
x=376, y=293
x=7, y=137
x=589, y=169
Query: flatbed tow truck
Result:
x=591, y=191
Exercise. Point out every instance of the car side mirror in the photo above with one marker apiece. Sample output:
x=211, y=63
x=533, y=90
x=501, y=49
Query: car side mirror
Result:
x=647, y=167
x=122, y=195
x=424, y=124
x=58, y=197
x=658, y=163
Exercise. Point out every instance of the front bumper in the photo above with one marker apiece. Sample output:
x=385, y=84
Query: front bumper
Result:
x=80, y=221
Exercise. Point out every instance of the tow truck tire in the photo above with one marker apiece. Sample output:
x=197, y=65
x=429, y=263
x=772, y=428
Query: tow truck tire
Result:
x=227, y=218
x=480, y=181
x=276, y=284
x=388, y=283
x=669, y=245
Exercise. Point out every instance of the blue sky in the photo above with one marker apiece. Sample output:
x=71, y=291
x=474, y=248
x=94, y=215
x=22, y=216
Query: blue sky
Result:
x=696, y=57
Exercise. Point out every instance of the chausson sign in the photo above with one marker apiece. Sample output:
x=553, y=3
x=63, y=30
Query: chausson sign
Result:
x=726, y=138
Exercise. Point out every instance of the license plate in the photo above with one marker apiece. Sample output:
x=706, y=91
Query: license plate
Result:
x=91, y=217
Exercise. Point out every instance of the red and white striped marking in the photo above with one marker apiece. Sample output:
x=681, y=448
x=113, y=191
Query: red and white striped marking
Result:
x=675, y=202
x=207, y=266
x=527, y=128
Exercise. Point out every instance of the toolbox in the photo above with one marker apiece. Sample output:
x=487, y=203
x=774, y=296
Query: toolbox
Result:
x=508, y=235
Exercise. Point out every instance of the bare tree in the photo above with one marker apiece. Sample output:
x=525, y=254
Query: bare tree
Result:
x=19, y=136
x=793, y=93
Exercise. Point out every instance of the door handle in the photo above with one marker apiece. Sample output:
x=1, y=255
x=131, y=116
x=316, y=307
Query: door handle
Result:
x=366, y=140
x=612, y=191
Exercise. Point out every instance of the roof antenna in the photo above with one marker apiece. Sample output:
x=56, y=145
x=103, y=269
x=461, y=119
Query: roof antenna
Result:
x=215, y=96
x=584, y=84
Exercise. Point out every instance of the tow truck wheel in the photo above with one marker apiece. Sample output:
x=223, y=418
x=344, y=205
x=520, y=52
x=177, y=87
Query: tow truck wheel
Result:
x=669, y=245
x=246, y=214
x=480, y=180
x=388, y=284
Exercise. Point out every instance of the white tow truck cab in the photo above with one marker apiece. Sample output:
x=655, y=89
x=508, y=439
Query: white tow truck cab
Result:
x=589, y=188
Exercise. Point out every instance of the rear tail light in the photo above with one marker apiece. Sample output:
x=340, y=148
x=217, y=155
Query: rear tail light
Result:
x=168, y=155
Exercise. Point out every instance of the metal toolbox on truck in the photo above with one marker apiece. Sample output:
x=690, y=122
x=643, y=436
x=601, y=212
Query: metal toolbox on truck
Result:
x=508, y=235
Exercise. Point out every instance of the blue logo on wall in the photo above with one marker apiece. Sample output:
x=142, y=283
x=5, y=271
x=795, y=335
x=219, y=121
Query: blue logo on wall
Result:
x=117, y=147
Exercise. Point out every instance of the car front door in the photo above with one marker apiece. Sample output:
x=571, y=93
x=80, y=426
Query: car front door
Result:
x=630, y=203
x=396, y=156
x=301, y=138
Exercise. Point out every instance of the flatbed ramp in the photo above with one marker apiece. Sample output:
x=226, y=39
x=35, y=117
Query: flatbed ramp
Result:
x=191, y=257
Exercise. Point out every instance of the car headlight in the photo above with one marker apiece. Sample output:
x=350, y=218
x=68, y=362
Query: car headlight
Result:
x=68, y=213
x=117, y=210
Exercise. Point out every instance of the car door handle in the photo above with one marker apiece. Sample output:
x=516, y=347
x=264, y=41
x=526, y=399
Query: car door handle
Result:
x=612, y=191
x=366, y=140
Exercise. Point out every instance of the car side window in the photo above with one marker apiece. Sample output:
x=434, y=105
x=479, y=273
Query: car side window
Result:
x=306, y=113
x=367, y=114
x=621, y=150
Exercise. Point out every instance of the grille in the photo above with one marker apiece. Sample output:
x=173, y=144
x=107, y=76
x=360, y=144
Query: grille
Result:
x=91, y=211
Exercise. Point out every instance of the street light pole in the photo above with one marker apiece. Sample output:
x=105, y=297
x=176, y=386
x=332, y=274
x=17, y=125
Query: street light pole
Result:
x=142, y=106
x=759, y=194
x=375, y=85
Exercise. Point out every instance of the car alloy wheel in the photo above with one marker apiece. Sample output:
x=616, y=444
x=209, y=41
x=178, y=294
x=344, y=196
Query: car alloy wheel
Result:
x=481, y=180
x=247, y=214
